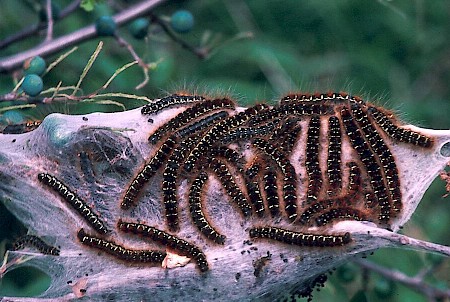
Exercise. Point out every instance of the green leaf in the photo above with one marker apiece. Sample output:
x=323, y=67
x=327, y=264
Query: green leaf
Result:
x=88, y=5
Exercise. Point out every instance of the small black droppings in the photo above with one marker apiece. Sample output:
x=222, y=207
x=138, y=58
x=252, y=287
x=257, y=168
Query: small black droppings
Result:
x=85, y=118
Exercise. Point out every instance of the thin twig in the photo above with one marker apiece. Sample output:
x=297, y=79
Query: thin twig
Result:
x=415, y=283
x=124, y=43
x=50, y=22
x=33, y=29
x=201, y=53
x=12, y=62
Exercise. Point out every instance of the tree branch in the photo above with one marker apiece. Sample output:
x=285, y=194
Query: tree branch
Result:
x=12, y=62
x=416, y=282
x=201, y=53
x=50, y=22
x=33, y=29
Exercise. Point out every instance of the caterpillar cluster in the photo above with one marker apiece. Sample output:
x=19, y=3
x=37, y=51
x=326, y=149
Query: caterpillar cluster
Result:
x=207, y=140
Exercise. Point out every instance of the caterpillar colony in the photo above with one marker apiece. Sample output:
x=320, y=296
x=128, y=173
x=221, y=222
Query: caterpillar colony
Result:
x=293, y=170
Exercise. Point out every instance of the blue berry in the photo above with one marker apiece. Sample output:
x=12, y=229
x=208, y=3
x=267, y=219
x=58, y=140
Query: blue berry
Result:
x=35, y=65
x=12, y=117
x=32, y=85
x=182, y=21
x=105, y=26
x=139, y=28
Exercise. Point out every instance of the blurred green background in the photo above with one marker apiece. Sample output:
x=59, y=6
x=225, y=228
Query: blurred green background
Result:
x=394, y=52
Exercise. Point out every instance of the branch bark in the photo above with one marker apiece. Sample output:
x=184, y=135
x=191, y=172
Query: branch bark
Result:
x=33, y=29
x=416, y=282
x=12, y=62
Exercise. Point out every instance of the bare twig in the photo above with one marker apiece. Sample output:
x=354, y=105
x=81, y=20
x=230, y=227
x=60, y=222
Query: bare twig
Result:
x=50, y=22
x=122, y=42
x=12, y=62
x=417, y=283
x=201, y=53
x=33, y=29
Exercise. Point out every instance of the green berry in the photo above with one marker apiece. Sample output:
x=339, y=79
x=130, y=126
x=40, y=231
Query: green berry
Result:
x=384, y=288
x=32, y=85
x=35, y=65
x=182, y=21
x=105, y=26
x=56, y=10
x=139, y=28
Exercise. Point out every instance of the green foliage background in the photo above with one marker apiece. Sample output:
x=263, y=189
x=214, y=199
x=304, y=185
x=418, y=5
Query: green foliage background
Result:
x=394, y=52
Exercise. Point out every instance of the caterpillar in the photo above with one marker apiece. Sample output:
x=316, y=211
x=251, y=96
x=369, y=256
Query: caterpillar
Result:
x=202, y=124
x=170, y=177
x=21, y=128
x=334, y=155
x=271, y=192
x=321, y=97
x=112, y=248
x=370, y=162
x=397, y=133
x=247, y=133
x=253, y=170
x=217, y=131
x=228, y=154
x=255, y=197
x=300, y=239
x=170, y=101
x=288, y=140
x=167, y=240
x=354, y=182
x=195, y=208
x=289, y=176
x=74, y=201
x=319, y=207
x=189, y=115
x=312, y=160
x=296, y=109
x=340, y=213
x=37, y=243
x=384, y=155
x=232, y=189
x=147, y=172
